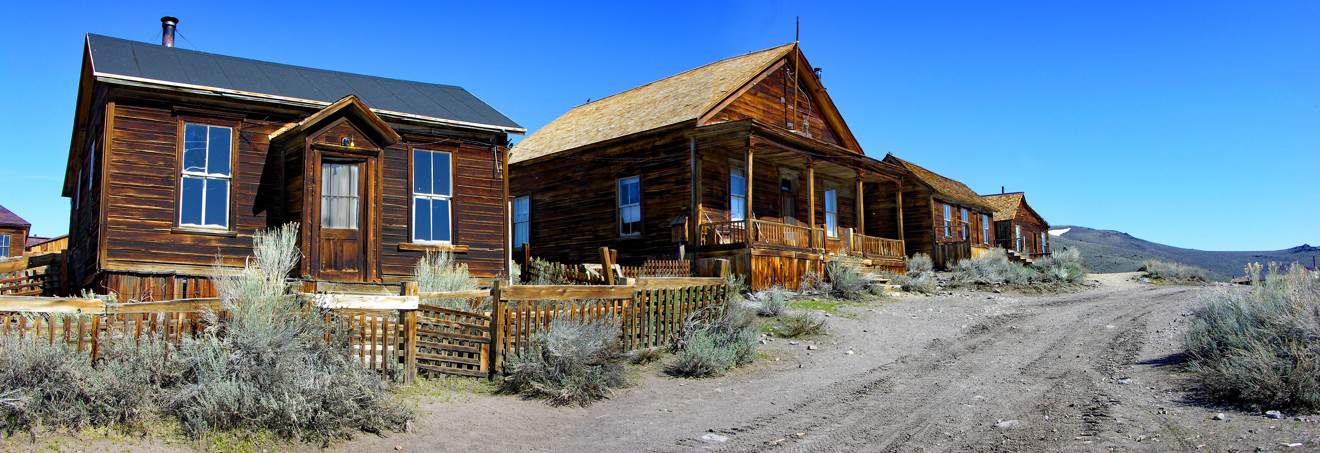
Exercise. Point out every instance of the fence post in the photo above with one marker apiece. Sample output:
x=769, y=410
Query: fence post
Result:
x=496, y=345
x=408, y=319
x=607, y=265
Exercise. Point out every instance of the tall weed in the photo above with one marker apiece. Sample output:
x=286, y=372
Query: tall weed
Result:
x=440, y=272
x=570, y=363
x=715, y=341
x=1169, y=272
x=771, y=302
x=846, y=278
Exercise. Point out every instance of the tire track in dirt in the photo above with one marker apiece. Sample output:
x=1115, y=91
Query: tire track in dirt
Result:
x=920, y=400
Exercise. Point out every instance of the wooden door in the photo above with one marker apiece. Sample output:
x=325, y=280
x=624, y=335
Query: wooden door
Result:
x=341, y=252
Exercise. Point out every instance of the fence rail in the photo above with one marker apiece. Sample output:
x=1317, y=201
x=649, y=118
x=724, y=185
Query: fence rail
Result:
x=875, y=247
x=723, y=233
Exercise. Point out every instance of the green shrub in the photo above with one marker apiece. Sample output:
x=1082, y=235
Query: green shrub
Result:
x=922, y=282
x=797, y=325
x=440, y=272
x=846, y=279
x=543, y=272
x=919, y=263
x=771, y=302
x=715, y=341
x=54, y=386
x=1168, y=272
x=265, y=366
x=1063, y=266
x=991, y=268
x=1260, y=347
x=569, y=363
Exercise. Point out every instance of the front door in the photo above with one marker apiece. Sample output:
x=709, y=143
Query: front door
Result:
x=340, y=243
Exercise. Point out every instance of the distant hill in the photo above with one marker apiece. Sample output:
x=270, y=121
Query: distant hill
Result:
x=1116, y=251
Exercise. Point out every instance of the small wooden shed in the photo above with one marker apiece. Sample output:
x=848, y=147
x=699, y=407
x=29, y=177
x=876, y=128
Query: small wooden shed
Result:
x=1021, y=230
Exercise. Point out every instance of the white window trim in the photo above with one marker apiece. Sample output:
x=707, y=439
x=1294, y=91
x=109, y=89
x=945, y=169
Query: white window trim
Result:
x=737, y=214
x=618, y=201
x=206, y=155
x=412, y=202
x=5, y=239
x=965, y=221
x=527, y=222
x=948, y=220
x=832, y=232
x=985, y=229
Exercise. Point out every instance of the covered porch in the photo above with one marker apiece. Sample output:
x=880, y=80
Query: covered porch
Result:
x=805, y=202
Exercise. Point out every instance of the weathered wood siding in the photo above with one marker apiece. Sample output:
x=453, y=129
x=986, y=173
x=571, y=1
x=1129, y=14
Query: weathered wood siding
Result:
x=574, y=209
x=17, y=237
x=85, y=205
x=767, y=102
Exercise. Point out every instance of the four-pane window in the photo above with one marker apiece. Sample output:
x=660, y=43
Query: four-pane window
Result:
x=963, y=216
x=204, y=190
x=522, y=218
x=985, y=229
x=832, y=212
x=4, y=245
x=339, y=196
x=432, y=192
x=630, y=206
x=948, y=221
x=737, y=194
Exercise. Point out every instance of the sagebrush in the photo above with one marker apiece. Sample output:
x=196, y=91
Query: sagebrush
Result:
x=1170, y=272
x=440, y=272
x=1063, y=266
x=1260, y=347
x=716, y=340
x=920, y=263
x=995, y=268
x=570, y=363
x=846, y=278
x=771, y=302
x=798, y=325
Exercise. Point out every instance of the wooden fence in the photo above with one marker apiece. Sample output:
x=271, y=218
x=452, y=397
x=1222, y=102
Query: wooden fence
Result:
x=395, y=335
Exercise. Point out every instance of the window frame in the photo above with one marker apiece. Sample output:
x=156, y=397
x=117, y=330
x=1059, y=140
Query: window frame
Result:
x=619, y=206
x=413, y=195
x=831, y=231
x=180, y=173
x=513, y=221
x=7, y=242
x=1017, y=237
x=736, y=215
x=985, y=229
x=963, y=220
x=357, y=174
x=948, y=220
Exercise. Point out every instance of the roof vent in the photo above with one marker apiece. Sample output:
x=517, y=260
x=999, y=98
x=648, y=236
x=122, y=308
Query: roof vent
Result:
x=167, y=26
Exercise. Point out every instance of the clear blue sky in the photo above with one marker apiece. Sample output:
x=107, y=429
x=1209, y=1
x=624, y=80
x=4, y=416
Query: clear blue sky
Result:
x=1194, y=124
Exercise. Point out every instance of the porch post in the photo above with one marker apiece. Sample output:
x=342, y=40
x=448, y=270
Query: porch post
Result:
x=747, y=215
x=861, y=207
x=899, y=195
x=811, y=204
x=694, y=220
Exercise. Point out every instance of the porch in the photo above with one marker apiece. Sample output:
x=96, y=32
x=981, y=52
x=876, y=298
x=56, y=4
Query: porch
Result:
x=782, y=236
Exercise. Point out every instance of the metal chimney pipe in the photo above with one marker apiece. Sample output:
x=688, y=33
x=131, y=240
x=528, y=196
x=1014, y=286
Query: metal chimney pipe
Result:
x=1001, y=190
x=167, y=26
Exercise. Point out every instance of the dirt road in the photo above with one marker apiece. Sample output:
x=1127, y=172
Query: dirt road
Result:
x=973, y=371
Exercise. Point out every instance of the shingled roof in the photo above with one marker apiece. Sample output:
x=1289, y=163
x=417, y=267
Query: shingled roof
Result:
x=8, y=218
x=672, y=100
x=138, y=62
x=1006, y=205
x=945, y=188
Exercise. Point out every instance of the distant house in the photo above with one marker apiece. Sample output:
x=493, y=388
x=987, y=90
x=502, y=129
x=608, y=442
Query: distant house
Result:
x=1020, y=229
x=13, y=233
x=745, y=159
x=941, y=216
x=41, y=245
x=178, y=156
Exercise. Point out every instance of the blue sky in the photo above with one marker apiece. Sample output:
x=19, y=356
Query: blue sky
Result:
x=1194, y=124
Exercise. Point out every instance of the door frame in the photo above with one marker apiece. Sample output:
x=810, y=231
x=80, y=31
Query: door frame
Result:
x=370, y=212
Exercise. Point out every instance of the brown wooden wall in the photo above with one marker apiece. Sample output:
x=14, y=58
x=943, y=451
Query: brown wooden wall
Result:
x=17, y=237
x=85, y=228
x=717, y=158
x=574, y=210
x=918, y=217
x=1032, y=227
x=767, y=100
x=140, y=164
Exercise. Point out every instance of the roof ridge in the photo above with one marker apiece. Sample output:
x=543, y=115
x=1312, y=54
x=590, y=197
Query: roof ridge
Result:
x=671, y=76
x=332, y=71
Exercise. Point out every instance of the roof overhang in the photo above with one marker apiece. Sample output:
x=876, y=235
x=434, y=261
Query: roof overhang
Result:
x=350, y=106
x=120, y=79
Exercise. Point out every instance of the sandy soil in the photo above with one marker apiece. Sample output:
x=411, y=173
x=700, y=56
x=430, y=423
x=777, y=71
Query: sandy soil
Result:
x=975, y=371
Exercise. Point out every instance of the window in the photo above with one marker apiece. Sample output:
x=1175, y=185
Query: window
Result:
x=204, y=189
x=4, y=245
x=948, y=221
x=432, y=192
x=1017, y=235
x=737, y=194
x=630, y=206
x=339, y=196
x=522, y=219
x=831, y=212
x=1044, y=243
x=985, y=229
x=963, y=216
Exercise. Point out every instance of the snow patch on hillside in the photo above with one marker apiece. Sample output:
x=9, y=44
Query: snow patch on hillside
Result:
x=1059, y=232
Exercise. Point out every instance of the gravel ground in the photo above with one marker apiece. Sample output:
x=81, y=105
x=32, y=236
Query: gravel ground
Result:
x=972, y=371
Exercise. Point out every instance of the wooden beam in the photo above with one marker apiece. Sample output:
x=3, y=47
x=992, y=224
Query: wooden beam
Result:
x=861, y=206
x=747, y=172
x=607, y=265
x=364, y=301
x=30, y=304
x=811, y=204
x=694, y=220
x=564, y=292
x=168, y=306
x=899, y=194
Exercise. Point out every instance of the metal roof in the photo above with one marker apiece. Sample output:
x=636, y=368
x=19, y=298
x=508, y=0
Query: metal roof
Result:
x=141, y=62
x=8, y=218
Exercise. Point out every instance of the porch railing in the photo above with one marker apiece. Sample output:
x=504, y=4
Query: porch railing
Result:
x=780, y=234
x=775, y=234
x=871, y=246
x=723, y=233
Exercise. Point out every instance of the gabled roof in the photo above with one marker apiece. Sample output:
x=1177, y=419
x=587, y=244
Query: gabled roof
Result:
x=1006, y=205
x=683, y=97
x=125, y=61
x=349, y=106
x=948, y=189
x=8, y=218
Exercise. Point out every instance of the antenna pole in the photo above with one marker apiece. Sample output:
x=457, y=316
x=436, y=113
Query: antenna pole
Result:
x=797, y=28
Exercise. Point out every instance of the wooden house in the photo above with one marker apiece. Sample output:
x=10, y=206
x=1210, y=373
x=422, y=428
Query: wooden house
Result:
x=13, y=233
x=1020, y=229
x=745, y=159
x=178, y=156
x=942, y=217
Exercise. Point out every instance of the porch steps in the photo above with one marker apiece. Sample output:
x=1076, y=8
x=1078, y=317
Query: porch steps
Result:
x=1013, y=255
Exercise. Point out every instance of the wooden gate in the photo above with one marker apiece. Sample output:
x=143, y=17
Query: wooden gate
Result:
x=452, y=341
